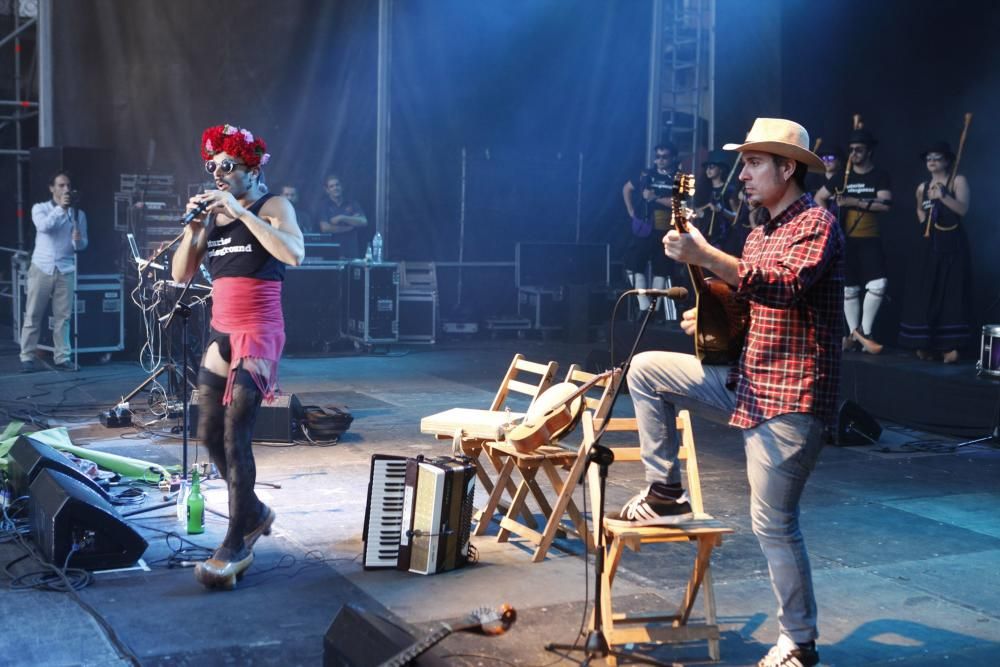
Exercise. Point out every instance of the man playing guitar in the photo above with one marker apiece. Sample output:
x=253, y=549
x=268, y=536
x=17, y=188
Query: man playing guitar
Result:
x=782, y=391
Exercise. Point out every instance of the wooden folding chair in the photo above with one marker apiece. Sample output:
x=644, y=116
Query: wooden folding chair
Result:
x=550, y=459
x=524, y=378
x=704, y=530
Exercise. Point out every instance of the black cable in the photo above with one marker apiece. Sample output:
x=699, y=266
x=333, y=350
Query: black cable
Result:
x=55, y=579
x=614, y=318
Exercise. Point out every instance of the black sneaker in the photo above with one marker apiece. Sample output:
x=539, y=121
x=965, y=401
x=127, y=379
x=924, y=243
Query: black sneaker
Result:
x=789, y=654
x=66, y=367
x=647, y=509
x=29, y=366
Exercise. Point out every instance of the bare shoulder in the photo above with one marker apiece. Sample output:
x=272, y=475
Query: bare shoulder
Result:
x=277, y=208
x=960, y=180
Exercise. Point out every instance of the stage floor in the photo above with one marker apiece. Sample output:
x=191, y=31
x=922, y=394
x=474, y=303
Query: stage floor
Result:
x=904, y=543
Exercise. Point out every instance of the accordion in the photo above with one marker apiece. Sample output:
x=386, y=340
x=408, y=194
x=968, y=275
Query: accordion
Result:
x=419, y=513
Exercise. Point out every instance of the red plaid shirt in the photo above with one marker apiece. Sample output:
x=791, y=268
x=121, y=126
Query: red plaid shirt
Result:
x=791, y=272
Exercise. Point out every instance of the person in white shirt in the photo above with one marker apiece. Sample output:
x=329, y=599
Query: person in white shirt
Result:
x=61, y=232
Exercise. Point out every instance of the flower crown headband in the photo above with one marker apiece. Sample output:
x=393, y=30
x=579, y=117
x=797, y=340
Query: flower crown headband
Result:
x=235, y=141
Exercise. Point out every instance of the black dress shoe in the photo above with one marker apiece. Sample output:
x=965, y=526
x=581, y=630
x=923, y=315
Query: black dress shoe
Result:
x=66, y=367
x=29, y=366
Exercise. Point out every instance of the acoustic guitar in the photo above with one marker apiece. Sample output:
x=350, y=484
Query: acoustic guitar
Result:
x=554, y=413
x=722, y=319
x=486, y=620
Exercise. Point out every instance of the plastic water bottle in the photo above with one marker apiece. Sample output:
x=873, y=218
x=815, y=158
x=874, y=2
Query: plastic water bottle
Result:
x=182, y=501
x=377, y=248
x=195, y=507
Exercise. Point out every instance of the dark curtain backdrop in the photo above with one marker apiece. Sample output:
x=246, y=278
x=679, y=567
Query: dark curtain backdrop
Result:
x=145, y=77
x=911, y=69
x=525, y=86
x=527, y=79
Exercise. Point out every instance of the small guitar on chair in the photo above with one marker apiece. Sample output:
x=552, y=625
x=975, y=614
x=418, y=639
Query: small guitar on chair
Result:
x=722, y=319
x=486, y=620
x=554, y=413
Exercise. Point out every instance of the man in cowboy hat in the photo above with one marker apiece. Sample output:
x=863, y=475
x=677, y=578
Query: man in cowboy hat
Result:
x=868, y=194
x=782, y=393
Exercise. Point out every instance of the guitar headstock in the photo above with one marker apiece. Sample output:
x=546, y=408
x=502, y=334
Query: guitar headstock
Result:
x=683, y=189
x=683, y=186
x=492, y=620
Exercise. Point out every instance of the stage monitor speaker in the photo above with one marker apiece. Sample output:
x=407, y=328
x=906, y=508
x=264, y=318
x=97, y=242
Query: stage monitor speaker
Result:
x=28, y=457
x=360, y=638
x=92, y=175
x=277, y=421
x=65, y=513
x=855, y=426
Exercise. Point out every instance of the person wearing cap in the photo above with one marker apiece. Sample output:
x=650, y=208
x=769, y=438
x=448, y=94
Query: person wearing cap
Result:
x=867, y=195
x=716, y=209
x=782, y=392
x=833, y=161
x=650, y=219
x=246, y=237
x=935, y=317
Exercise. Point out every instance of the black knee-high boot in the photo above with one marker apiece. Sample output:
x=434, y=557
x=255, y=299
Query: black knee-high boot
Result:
x=212, y=417
x=241, y=416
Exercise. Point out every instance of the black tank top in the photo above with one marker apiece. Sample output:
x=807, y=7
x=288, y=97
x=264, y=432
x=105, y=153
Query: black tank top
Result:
x=234, y=252
x=945, y=219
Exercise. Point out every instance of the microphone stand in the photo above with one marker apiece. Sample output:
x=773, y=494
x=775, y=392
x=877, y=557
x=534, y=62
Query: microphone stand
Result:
x=76, y=286
x=596, y=644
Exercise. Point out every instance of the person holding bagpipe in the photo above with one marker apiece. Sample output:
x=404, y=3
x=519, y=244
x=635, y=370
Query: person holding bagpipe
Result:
x=935, y=318
x=864, y=196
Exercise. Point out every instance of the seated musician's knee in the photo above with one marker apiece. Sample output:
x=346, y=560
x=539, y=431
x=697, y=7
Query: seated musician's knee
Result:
x=852, y=292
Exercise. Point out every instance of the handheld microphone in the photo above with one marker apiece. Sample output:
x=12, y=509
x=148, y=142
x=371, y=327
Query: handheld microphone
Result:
x=195, y=212
x=675, y=293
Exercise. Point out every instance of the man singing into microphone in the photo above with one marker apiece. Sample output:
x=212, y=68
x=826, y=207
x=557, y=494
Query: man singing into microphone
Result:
x=783, y=390
x=248, y=237
x=62, y=231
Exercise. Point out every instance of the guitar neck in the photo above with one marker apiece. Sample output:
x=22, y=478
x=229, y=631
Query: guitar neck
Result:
x=407, y=656
x=696, y=272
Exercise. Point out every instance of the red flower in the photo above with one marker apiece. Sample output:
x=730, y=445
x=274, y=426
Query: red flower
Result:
x=233, y=141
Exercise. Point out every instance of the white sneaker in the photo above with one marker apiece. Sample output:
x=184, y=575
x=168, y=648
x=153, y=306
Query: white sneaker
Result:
x=789, y=654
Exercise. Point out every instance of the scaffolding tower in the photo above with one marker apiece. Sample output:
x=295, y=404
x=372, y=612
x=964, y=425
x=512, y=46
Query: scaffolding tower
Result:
x=682, y=78
x=20, y=107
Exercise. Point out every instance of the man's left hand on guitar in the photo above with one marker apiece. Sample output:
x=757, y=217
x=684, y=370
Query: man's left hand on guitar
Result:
x=690, y=248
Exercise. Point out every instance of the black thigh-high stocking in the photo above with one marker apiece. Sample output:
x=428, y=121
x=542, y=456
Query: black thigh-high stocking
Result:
x=212, y=417
x=241, y=415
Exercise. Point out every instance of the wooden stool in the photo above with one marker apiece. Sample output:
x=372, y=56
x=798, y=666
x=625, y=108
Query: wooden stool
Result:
x=703, y=530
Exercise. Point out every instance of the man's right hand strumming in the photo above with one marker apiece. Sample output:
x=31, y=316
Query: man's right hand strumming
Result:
x=689, y=321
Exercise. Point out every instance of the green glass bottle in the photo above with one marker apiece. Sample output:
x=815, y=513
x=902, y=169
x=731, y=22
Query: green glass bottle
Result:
x=195, y=507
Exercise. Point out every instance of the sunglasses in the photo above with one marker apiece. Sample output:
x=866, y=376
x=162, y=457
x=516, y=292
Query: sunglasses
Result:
x=662, y=157
x=934, y=158
x=858, y=149
x=227, y=166
x=829, y=158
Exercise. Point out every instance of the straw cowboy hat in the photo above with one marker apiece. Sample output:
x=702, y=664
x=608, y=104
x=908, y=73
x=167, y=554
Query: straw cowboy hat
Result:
x=780, y=137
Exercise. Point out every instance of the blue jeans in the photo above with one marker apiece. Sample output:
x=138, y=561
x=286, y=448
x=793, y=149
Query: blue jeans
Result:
x=781, y=453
